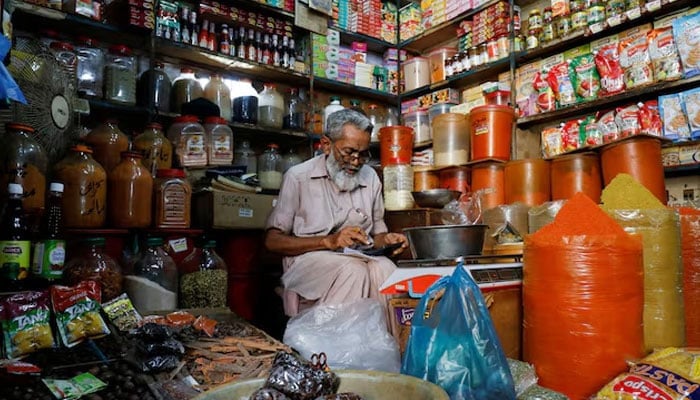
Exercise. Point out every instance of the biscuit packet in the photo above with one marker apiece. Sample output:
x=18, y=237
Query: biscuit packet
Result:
x=691, y=103
x=585, y=77
x=686, y=32
x=673, y=117
x=635, y=61
x=627, y=119
x=77, y=310
x=608, y=128
x=26, y=323
x=649, y=119
x=664, y=56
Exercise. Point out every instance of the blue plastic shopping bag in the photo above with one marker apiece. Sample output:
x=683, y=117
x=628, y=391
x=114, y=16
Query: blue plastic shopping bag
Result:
x=453, y=342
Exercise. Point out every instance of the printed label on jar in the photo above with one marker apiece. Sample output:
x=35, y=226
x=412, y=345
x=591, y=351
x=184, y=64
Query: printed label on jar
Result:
x=194, y=149
x=14, y=259
x=480, y=126
x=174, y=203
x=222, y=146
x=89, y=197
x=49, y=258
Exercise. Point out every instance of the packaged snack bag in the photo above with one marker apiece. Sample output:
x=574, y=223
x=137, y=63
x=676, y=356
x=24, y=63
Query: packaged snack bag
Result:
x=691, y=102
x=589, y=133
x=77, y=311
x=545, y=94
x=608, y=127
x=25, y=320
x=607, y=60
x=551, y=141
x=560, y=82
x=585, y=77
x=673, y=117
x=686, y=32
x=664, y=55
x=570, y=135
x=649, y=119
x=627, y=119
x=635, y=61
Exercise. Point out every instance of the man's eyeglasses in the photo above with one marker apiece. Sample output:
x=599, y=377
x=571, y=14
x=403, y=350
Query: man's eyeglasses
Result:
x=349, y=154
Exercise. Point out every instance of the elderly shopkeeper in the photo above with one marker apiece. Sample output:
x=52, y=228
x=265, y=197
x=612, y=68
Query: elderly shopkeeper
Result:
x=327, y=203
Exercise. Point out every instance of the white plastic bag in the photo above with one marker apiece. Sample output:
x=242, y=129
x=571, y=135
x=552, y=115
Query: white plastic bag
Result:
x=353, y=336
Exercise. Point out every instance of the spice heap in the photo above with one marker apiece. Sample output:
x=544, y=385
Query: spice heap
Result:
x=690, y=247
x=577, y=271
x=659, y=227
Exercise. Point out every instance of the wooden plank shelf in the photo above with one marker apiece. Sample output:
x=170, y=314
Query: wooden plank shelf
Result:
x=351, y=90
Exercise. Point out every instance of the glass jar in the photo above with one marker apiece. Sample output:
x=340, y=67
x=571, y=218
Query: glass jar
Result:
x=107, y=142
x=534, y=19
x=270, y=168
x=155, y=147
x=85, y=189
x=23, y=162
x=89, y=261
x=548, y=33
x=474, y=59
x=290, y=159
x=483, y=54
x=450, y=65
x=130, y=186
x=154, y=88
x=579, y=17
x=503, y=46
x=533, y=39
x=218, y=93
x=270, y=107
x=245, y=103
x=185, y=88
x=376, y=117
x=67, y=57
x=595, y=15
x=120, y=75
x=219, y=137
x=398, y=185
x=204, y=279
x=91, y=64
x=295, y=112
x=154, y=283
x=563, y=23
x=615, y=12
x=188, y=137
x=244, y=155
x=492, y=50
x=173, y=197
x=333, y=106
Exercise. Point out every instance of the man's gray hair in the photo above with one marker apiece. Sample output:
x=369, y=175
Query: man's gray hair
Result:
x=338, y=119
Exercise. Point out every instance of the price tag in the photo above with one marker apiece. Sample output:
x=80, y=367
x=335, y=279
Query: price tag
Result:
x=614, y=21
x=597, y=27
x=653, y=5
x=634, y=13
x=178, y=245
x=245, y=212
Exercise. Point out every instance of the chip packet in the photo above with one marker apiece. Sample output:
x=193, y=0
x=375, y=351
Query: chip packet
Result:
x=545, y=95
x=585, y=77
x=570, y=135
x=560, y=82
x=627, y=119
x=121, y=313
x=664, y=55
x=75, y=387
x=26, y=323
x=612, y=77
x=649, y=118
x=77, y=310
x=589, y=133
x=635, y=61
x=551, y=141
x=608, y=127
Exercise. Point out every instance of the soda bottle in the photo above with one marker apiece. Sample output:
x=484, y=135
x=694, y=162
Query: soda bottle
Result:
x=15, y=243
x=50, y=249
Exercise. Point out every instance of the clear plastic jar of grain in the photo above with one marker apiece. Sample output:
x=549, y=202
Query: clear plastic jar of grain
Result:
x=204, y=278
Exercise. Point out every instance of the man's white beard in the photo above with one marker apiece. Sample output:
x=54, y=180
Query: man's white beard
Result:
x=345, y=182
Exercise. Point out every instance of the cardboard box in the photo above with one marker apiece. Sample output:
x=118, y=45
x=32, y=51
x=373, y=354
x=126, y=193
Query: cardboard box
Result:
x=222, y=210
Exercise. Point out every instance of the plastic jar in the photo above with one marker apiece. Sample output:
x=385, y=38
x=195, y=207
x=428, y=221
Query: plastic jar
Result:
x=395, y=145
x=67, y=57
x=244, y=155
x=489, y=177
x=185, y=88
x=203, y=279
x=120, y=75
x=107, y=142
x=173, y=195
x=491, y=130
x=24, y=162
x=188, y=138
x=130, y=186
x=154, y=283
x=425, y=179
x=398, y=185
x=245, y=103
x=295, y=111
x=534, y=19
x=154, y=88
x=377, y=118
x=576, y=173
x=455, y=178
x=91, y=64
x=437, y=62
x=89, y=261
x=84, y=189
x=219, y=137
x=332, y=107
x=437, y=109
x=416, y=72
x=270, y=168
x=155, y=147
x=218, y=93
x=527, y=181
x=498, y=97
x=270, y=107
x=450, y=139
x=420, y=123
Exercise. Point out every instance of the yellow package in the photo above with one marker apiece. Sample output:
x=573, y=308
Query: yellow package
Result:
x=25, y=322
x=668, y=374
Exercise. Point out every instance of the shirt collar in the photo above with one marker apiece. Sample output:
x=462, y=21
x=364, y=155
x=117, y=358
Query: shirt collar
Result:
x=319, y=170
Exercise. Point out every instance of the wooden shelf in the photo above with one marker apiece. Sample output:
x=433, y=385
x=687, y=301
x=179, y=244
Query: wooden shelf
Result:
x=351, y=90
x=634, y=95
x=251, y=130
x=374, y=45
x=258, y=6
x=590, y=149
x=682, y=170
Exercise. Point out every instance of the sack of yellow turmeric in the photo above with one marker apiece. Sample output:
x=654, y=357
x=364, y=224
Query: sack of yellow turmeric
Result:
x=668, y=374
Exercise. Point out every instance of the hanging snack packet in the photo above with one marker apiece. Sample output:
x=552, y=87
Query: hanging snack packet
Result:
x=635, y=61
x=691, y=102
x=589, y=133
x=570, y=135
x=26, y=323
x=664, y=55
x=585, y=76
x=608, y=127
x=560, y=82
x=649, y=119
x=551, y=141
x=686, y=31
x=121, y=313
x=545, y=94
x=607, y=60
x=77, y=310
x=627, y=119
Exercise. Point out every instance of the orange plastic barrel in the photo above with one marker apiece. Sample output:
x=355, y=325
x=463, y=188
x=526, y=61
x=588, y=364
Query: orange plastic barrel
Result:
x=527, y=181
x=455, y=178
x=576, y=173
x=489, y=175
x=425, y=179
x=638, y=156
x=491, y=131
x=395, y=145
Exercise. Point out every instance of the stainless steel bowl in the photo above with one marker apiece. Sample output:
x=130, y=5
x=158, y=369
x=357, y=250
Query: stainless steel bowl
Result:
x=445, y=241
x=435, y=198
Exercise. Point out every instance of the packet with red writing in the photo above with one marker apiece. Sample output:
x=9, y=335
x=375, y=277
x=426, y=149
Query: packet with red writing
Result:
x=635, y=61
x=589, y=133
x=608, y=127
x=77, y=310
x=607, y=61
x=664, y=55
x=560, y=82
x=649, y=118
x=545, y=94
x=585, y=77
x=551, y=141
x=570, y=135
x=627, y=119
x=26, y=323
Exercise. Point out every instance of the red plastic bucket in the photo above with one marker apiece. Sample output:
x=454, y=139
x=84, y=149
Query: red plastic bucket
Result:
x=491, y=131
x=395, y=145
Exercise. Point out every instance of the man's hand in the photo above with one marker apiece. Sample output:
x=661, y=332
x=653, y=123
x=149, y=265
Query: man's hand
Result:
x=393, y=237
x=346, y=237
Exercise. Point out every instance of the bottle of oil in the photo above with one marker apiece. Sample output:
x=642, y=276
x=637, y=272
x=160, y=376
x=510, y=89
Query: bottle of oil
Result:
x=50, y=250
x=15, y=243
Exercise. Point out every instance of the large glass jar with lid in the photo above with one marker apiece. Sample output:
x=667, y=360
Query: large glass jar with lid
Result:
x=173, y=197
x=245, y=155
x=377, y=118
x=218, y=93
x=67, y=57
x=270, y=107
x=186, y=88
x=156, y=148
x=154, y=283
x=154, y=88
x=219, y=138
x=107, y=142
x=23, y=161
x=398, y=185
x=189, y=139
x=270, y=168
x=120, y=75
x=203, y=279
x=85, y=189
x=245, y=102
x=89, y=261
x=91, y=64
x=295, y=112
x=130, y=189
x=290, y=159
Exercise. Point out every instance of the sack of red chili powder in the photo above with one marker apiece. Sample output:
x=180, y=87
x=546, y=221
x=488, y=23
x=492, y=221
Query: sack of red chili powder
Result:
x=583, y=293
x=690, y=248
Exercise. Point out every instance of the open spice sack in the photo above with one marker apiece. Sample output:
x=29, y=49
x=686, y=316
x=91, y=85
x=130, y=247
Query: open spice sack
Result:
x=582, y=299
x=638, y=211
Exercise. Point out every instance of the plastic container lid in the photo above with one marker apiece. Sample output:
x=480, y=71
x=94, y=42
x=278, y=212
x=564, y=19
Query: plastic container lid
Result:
x=186, y=118
x=120, y=49
x=61, y=46
x=56, y=187
x=154, y=125
x=154, y=241
x=415, y=59
x=88, y=41
x=415, y=113
x=215, y=120
x=16, y=126
x=442, y=50
x=133, y=154
x=334, y=98
x=82, y=148
x=210, y=244
x=186, y=70
x=14, y=188
x=97, y=241
x=170, y=173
